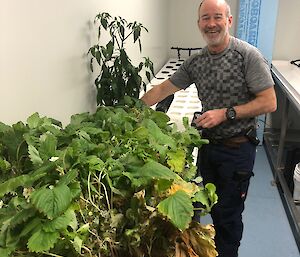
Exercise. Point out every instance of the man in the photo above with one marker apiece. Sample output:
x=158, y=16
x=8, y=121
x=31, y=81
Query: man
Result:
x=234, y=85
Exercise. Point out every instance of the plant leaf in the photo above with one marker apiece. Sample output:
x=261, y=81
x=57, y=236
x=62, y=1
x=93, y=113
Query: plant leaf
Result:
x=22, y=216
x=24, y=180
x=158, y=134
x=70, y=214
x=177, y=160
x=52, y=202
x=77, y=243
x=153, y=170
x=34, y=155
x=31, y=227
x=42, y=241
x=58, y=223
x=33, y=121
x=4, y=127
x=5, y=252
x=48, y=146
x=178, y=208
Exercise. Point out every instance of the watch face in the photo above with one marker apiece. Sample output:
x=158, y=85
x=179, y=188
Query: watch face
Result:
x=230, y=113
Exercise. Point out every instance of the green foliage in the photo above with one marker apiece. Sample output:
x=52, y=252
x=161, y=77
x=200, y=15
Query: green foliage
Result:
x=178, y=208
x=113, y=183
x=118, y=76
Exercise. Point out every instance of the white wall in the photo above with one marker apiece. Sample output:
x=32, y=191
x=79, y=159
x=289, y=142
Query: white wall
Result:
x=183, y=28
x=43, y=46
x=287, y=35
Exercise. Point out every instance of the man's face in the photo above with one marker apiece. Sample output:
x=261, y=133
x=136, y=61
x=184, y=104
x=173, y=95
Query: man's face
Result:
x=214, y=23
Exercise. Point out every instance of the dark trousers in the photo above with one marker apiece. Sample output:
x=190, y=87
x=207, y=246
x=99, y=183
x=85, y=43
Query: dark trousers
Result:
x=230, y=170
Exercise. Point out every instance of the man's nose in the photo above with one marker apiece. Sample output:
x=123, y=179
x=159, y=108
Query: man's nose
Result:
x=211, y=23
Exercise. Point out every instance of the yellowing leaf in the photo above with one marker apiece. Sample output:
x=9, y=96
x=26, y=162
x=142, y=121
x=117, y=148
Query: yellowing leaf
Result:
x=190, y=188
x=176, y=160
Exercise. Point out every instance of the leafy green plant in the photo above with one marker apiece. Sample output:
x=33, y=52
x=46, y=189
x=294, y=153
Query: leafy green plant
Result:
x=119, y=182
x=118, y=76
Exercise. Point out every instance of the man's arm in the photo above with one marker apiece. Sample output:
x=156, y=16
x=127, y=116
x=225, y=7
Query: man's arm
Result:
x=264, y=102
x=159, y=92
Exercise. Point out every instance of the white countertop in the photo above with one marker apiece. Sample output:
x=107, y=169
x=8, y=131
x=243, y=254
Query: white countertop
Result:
x=289, y=76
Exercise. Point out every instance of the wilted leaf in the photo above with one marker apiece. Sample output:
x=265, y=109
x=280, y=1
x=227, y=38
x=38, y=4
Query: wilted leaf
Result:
x=201, y=239
x=190, y=188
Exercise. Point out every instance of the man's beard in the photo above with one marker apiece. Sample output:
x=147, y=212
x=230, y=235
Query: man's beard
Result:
x=215, y=40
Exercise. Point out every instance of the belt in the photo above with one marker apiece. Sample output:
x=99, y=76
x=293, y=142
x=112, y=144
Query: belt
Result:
x=233, y=142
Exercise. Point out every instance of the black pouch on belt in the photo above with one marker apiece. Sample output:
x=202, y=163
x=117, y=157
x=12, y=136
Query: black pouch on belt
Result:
x=252, y=137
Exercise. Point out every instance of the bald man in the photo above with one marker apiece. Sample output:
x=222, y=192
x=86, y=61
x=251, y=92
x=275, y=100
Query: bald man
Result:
x=234, y=85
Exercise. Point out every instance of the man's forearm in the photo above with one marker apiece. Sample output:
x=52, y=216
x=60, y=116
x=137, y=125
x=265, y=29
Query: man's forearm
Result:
x=265, y=102
x=159, y=92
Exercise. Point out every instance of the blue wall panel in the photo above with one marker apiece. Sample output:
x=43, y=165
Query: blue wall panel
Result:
x=256, y=25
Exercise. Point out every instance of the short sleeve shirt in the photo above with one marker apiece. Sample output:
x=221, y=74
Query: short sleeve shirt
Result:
x=230, y=78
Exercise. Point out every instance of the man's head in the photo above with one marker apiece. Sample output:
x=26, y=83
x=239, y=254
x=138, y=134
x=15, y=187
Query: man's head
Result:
x=214, y=21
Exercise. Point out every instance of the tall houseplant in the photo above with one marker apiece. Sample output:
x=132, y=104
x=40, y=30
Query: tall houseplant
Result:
x=118, y=76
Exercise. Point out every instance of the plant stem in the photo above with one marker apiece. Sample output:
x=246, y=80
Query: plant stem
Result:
x=106, y=195
x=88, y=250
x=89, y=191
x=52, y=254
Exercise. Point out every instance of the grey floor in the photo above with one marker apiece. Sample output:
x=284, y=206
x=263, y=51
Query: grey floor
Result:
x=267, y=232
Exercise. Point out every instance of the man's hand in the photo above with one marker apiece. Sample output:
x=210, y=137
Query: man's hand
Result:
x=211, y=118
x=264, y=102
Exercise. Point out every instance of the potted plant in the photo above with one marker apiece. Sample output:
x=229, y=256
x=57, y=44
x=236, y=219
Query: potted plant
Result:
x=118, y=76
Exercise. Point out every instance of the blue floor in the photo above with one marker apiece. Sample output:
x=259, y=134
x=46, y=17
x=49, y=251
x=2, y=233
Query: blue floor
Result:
x=267, y=232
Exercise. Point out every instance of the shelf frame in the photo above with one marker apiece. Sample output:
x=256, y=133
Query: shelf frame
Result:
x=275, y=151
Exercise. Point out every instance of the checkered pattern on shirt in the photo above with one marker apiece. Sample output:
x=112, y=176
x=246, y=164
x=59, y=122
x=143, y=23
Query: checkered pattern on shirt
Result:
x=221, y=83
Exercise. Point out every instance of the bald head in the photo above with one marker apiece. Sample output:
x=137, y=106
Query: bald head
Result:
x=214, y=21
x=218, y=3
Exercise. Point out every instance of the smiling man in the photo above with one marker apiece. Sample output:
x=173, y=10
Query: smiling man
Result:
x=214, y=25
x=234, y=85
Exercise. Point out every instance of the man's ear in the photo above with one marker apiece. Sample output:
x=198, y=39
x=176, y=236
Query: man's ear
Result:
x=198, y=23
x=230, y=21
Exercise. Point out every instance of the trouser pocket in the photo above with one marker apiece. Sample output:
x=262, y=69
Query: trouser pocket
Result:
x=242, y=178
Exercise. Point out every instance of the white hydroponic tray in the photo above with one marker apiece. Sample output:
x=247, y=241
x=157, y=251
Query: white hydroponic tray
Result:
x=185, y=102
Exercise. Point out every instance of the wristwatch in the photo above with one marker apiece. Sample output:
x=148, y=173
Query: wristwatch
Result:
x=230, y=113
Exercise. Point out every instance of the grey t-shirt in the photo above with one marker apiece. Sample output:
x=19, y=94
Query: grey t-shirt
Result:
x=230, y=78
